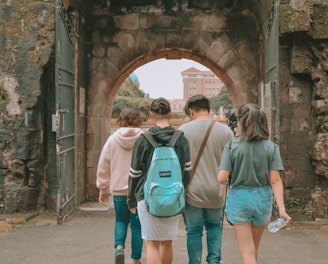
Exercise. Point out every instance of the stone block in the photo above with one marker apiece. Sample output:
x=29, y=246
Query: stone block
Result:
x=306, y=178
x=96, y=37
x=92, y=191
x=298, y=151
x=95, y=125
x=127, y=22
x=92, y=159
x=127, y=43
x=96, y=141
x=98, y=50
x=219, y=47
x=99, y=90
x=173, y=39
x=291, y=179
x=320, y=21
x=162, y=23
x=228, y=58
x=300, y=193
x=283, y=151
x=143, y=43
x=300, y=58
x=295, y=95
x=300, y=124
x=320, y=106
x=116, y=57
x=284, y=96
x=301, y=137
x=96, y=109
x=211, y=23
x=294, y=20
x=302, y=110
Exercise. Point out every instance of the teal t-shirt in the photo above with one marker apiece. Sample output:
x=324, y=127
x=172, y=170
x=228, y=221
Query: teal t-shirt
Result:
x=251, y=161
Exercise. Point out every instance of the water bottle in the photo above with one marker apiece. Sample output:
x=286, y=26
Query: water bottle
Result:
x=276, y=225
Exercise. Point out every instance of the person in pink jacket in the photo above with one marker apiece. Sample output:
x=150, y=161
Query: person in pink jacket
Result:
x=112, y=179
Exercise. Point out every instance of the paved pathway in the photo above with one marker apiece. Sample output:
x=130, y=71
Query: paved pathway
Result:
x=86, y=237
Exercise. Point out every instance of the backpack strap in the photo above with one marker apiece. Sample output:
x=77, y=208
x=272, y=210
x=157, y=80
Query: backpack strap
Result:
x=150, y=138
x=229, y=180
x=176, y=135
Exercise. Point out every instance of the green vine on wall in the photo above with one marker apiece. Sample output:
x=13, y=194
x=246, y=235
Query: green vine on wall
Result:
x=297, y=206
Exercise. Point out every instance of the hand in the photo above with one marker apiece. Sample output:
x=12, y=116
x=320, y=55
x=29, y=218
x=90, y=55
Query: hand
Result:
x=283, y=214
x=103, y=198
x=133, y=210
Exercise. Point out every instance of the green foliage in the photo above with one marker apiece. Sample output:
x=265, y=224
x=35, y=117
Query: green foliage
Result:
x=178, y=115
x=297, y=206
x=221, y=100
x=130, y=96
x=130, y=89
x=121, y=102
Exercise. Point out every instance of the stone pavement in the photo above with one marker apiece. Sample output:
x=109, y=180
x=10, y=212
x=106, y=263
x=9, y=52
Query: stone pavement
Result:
x=86, y=237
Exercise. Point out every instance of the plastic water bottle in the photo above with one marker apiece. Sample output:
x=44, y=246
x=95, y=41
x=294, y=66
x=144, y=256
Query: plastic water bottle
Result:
x=276, y=225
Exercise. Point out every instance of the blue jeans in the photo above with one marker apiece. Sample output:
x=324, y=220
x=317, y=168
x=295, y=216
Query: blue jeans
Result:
x=195, y=219
x=123, y=218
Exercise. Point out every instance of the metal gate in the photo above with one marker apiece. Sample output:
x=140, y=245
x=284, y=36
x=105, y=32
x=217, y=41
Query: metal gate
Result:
x=64, y=119
x=270, y=91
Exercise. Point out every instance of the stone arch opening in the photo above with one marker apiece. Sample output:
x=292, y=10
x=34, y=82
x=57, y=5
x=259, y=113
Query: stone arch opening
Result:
x=122, y=42
x=172, y=54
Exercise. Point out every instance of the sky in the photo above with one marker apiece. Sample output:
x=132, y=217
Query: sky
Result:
x=162, y=78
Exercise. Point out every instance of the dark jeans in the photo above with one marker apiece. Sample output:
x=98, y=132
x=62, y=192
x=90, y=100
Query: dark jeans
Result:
x=123, y=218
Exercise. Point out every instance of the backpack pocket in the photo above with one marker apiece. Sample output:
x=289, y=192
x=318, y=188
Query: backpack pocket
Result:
x=165, y=201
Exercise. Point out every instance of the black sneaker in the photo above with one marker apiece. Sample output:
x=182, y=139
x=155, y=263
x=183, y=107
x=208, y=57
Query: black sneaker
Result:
x=119, y=256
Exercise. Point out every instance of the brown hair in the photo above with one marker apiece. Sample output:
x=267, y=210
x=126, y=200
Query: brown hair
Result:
x=253, y=122
x=161, y=108
x=130, y=117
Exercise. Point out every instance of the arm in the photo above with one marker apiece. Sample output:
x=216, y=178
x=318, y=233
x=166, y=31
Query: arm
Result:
x=225, y=165
x=185, y=161
x=135, y=175
x=278, y=191
x=223, y=176
x=104, y=173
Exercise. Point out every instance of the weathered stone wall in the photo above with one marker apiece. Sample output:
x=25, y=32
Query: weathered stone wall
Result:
x=26, y=43
x=225, y=38
x=123, y=35
x=304, y=103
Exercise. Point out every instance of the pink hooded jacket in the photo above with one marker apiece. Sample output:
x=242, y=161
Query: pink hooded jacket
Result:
x=115, y=160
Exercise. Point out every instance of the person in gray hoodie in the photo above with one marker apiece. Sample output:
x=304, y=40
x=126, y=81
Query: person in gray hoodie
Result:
x=112, y=179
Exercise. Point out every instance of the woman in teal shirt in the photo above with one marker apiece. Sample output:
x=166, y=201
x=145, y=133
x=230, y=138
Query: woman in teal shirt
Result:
x=253, y=162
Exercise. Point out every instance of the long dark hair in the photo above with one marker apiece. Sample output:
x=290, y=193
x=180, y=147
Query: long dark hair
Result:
x=253, y=122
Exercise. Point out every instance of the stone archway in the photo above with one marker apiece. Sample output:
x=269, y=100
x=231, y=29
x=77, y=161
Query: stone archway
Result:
x=213, y=39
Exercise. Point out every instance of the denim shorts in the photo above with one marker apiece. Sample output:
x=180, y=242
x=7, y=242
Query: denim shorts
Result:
x=249, y=205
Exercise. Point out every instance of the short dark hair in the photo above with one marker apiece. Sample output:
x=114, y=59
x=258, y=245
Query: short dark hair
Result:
x=161, y=107
x=197, y=102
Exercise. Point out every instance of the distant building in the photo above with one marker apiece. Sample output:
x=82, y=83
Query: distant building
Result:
x=200, y=82
x=134, y=78
x=177, y=105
